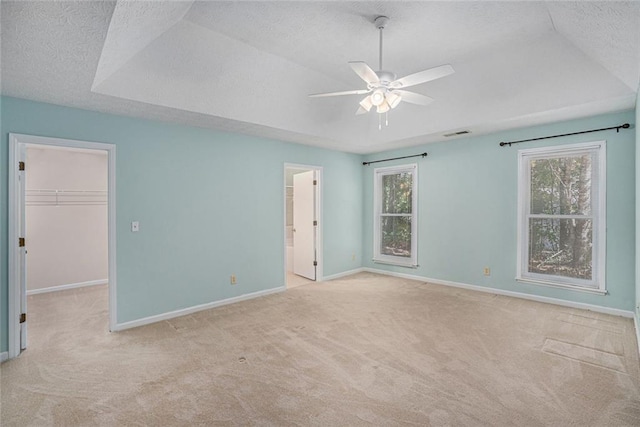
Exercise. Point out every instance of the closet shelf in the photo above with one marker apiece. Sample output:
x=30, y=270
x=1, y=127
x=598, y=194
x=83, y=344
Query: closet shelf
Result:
x=47, y=197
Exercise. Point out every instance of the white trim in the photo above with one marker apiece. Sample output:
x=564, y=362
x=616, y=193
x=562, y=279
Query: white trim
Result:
x=343, y=274
x=13, y=250
x=599, y=220
x=319, y=210
x=548, y=300
x=194, y=309
x=399, y=264
x=14, y=292
x=635, y=323
x=596, y=291
x=378, y=257
x=67, y=286
x=4, y=356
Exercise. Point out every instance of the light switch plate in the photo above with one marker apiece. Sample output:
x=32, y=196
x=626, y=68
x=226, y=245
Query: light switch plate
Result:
x=135, y=226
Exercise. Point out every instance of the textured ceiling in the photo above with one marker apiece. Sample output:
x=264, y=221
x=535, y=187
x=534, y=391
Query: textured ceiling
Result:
x=248, y=66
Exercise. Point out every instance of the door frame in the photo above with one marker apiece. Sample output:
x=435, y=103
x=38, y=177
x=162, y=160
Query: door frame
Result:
x=318, y=214
x=15, y=141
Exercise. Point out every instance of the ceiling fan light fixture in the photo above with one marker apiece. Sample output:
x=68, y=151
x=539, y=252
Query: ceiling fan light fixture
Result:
x=366, y=103
x=377, y=97
x=393, y=99
x=383, y=108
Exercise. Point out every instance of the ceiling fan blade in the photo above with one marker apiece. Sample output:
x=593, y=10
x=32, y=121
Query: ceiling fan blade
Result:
x=346, y=92
x=413, y=98
x=365, y=72
x=423, y=76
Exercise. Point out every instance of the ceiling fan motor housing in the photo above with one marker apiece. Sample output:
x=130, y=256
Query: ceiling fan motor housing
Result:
x=381, y=22
x=386, y=77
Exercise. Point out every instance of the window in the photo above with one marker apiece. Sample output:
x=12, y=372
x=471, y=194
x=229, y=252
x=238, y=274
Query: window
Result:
x=561, y=223
x=395, y=215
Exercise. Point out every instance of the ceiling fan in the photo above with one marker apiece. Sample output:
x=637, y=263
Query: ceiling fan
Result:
x=385, y=90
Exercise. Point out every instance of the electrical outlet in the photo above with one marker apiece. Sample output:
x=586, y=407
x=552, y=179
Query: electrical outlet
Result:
x=233, y=279
x=353, y=257
x=487, y=271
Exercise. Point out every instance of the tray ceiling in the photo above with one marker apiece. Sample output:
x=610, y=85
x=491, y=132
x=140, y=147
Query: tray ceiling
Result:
x=248, y=66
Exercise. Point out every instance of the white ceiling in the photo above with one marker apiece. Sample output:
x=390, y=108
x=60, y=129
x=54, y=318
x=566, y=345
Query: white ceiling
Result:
x=248, y=66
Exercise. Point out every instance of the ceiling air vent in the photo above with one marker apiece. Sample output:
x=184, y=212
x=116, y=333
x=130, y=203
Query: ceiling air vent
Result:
x=462, y=132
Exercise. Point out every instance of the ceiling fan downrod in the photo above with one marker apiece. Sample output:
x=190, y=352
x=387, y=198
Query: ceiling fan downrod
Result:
x=381, y=22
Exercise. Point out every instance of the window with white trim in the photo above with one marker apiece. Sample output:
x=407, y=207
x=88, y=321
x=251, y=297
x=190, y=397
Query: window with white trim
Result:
x=396, y=215
x=561, y=221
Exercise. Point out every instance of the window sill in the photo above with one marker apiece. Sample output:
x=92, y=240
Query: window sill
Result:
x=562, y=286
x=396, y=263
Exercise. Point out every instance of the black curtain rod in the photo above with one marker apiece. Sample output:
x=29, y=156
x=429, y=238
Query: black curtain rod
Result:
x=395, y=158
x=617, y=128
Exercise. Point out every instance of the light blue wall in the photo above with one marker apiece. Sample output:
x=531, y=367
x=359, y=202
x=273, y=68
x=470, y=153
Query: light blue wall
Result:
x=468, y=209
x=210, y=204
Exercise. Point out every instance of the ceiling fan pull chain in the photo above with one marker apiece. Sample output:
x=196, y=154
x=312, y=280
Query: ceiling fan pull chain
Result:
x=379, y=121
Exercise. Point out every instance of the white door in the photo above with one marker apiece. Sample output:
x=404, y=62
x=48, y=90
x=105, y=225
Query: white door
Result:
x=22, y=226
x=304, y=230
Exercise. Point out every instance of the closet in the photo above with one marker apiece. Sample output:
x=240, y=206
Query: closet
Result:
x=66, y=218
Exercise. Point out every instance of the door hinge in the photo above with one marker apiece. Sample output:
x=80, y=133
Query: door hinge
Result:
x=315, y=263
x=23, y=317
x=20, y=166
x=315, y=222
x=21, y=242
x=315, y=182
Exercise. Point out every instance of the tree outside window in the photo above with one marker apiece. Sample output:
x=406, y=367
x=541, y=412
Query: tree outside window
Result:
x=395, y=219
x=560, y=220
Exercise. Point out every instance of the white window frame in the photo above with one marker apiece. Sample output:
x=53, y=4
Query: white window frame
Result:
x=598, y=207
x=377, y=215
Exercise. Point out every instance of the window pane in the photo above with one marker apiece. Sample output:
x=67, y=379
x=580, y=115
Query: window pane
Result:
x=396, y=193
x=396, y=236
x=561, y=247
x=561, y=186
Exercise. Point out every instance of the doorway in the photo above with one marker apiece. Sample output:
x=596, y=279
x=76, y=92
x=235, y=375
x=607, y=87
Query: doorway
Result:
x=303, y=224
x=61, y=202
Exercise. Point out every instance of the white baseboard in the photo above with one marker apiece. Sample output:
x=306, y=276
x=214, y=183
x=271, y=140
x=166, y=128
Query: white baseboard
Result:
x=4, y=356
x=556, y=301
x=194, y=309
x=343, y=274
x=65, y=287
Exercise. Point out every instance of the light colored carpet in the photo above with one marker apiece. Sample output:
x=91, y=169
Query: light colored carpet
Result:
x=363, y=350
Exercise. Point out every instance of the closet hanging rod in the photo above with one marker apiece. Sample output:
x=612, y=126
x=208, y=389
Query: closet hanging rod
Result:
x=51, y=197
x=74, y=192
x=617, y=128
x=394, y=158
x=90, y=203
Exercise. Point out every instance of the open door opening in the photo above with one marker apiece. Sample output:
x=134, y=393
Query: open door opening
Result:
x=61, y=234
x=302, y=224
